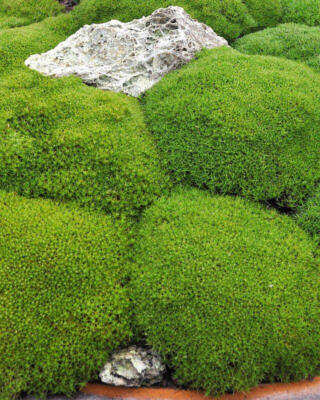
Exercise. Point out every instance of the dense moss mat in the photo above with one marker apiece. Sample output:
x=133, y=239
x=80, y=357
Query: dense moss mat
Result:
x=62, y=303
x=64, y=140
x=238, y=124
x=265, y=13
x=301, y=11
x=292, y=41
x=23, y=12
x=308, y=216
x=227, y=292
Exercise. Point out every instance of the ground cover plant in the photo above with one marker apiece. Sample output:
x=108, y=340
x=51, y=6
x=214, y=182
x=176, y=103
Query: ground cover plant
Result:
x=227, y=310
x=225, y=289
x=238, y=124
x=301, y=11
x=308, y=216
x=292, y=41
x=265, y=13
x=62, y=303
x=64, y=140
x=23, y=12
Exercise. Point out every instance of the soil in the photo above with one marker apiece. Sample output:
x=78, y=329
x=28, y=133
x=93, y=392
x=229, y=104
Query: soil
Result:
x=69, y=4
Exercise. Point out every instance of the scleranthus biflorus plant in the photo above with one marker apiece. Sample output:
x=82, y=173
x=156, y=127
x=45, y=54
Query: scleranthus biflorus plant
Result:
x=308, y=216
x=64, y=140
x=227, y=291
x=293, y=41
x=301, y=11
x=63, y=306
x=23, y=12
x=265, y=13
x=240, y=125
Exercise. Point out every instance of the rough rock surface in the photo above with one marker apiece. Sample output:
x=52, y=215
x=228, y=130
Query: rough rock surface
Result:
x=128, y=57
x=133, y=367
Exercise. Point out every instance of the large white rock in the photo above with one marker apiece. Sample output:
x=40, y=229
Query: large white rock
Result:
x=133, y=367
x=128, y=57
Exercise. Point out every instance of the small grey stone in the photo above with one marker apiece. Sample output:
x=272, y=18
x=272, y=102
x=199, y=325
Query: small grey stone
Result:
x=128, y=57
x=133, y=367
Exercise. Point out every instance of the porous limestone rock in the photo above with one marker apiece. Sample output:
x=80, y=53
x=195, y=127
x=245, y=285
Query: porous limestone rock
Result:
x=128, y=57
x=133, y=367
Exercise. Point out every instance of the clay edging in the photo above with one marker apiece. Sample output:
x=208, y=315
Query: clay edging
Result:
x=278, y=391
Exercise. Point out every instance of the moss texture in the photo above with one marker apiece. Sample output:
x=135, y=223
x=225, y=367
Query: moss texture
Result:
x=227, y=292
x=301, y=11
x=62, y=303
x=24, y=12
x=293, y=41
x=240, y=125
x=67, y=141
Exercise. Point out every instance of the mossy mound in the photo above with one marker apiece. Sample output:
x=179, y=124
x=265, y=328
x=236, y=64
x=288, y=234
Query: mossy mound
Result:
x=62, y=303
x=24, y=12
x=227, y=292
x=301, y=11
x=238, y=124
x=308, y=216
x=67, y=141
x=265, y=13
x=292, y=41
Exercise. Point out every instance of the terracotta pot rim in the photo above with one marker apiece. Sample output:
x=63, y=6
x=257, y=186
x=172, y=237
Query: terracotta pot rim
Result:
x=278, y=391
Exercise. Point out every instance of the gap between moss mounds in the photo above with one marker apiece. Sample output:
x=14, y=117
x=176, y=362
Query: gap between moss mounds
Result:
x=69, y=4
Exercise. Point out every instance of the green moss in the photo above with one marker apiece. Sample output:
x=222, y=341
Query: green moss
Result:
x=64, y=140
x=227, y=292
x=308, y=216
x=301, y=11
x=265, y=13
x=292, y=41
x=238, y=124
x=17, y=44
x=62, y=303
x=23, y=12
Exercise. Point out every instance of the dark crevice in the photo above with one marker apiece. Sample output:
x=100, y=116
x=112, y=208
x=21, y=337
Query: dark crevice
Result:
x=69, y=4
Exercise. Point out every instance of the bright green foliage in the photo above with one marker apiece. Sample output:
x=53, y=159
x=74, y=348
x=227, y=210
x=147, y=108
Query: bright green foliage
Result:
x=265, y=13
x=229, y=18
x=24, y=12
x=301, y=11
x=62, y=303
x=19, y=43
x=64, y=140
x=308, y=216
x=227, y=292
x=292, y=41
x=238, y=124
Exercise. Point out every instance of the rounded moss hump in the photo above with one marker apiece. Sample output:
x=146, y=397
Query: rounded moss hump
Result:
x=62, y=303
x=238, y=124
x=23, y=12
x=292, y=41
x=227, y=292
x=67, y=141
x=301, y=11
x=64, y=140
x=308, y=216
x=265, y=13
